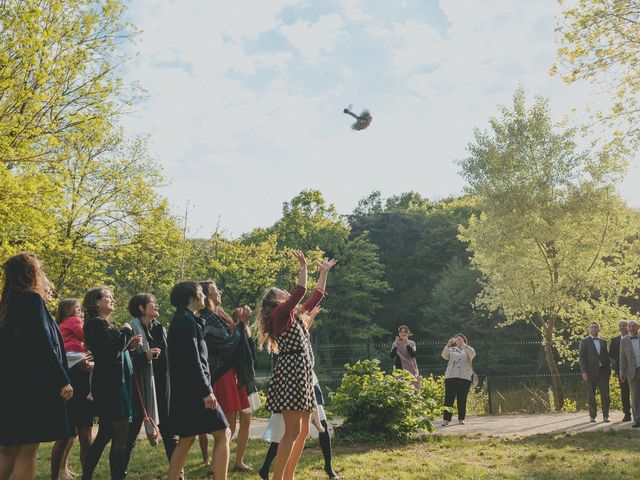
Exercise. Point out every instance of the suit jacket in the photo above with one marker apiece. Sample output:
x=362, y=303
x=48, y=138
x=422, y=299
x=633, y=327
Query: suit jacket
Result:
x=590, y=361
x=627, y=359
x=614, y=354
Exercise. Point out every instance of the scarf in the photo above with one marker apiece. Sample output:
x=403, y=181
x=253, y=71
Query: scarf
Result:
x=144, y=371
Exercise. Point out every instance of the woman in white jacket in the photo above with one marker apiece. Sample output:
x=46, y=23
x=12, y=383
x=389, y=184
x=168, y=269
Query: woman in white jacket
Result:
x=457, y=376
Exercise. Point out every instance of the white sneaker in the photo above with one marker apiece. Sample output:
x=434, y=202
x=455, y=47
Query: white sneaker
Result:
x=444, y=423
x=460, y=422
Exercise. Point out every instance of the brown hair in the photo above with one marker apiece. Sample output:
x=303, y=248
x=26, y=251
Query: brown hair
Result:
x=206, y=285
x=89, y=304
x=263, y=320
x=461, y=335
x=22, y=273
x=137, y=301
x=66, y=308
x=406, y=328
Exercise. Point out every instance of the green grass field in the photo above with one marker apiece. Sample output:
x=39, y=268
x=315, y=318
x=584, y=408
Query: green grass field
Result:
x=597, y=456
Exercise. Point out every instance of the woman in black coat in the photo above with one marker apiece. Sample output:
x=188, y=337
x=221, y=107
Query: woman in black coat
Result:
x=33, y=370
x=193, y=409
x=111, y=381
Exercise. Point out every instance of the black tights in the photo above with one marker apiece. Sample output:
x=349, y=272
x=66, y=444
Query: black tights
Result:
x=116, y=432
x=325, y=445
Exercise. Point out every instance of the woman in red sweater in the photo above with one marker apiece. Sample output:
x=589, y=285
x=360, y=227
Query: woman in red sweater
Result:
x=70, y=320
x=291, y=387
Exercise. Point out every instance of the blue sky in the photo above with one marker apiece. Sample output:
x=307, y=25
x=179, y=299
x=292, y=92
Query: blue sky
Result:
x=245, y=97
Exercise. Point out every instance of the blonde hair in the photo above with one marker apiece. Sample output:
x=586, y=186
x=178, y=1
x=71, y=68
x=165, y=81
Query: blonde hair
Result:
x=263, y=325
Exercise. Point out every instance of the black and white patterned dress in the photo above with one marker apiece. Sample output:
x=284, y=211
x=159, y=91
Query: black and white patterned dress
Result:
x=291, y=386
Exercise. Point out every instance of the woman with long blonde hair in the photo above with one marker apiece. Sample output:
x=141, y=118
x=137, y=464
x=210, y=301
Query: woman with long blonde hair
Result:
x=290, y=390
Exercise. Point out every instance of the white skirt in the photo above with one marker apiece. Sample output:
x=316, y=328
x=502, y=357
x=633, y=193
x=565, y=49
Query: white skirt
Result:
x=275, y=428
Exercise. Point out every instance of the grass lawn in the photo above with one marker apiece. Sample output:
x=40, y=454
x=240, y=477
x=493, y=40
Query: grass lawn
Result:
x=609, y=455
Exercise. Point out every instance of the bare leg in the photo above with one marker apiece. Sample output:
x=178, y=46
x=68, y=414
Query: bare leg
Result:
x=292, y=428
x=25, y=466
x=241, y=441
x=203, y=440
x=64, y=473
x=179, y=457
x=221, y=441
x=7, y=461
x=85, y=438
x=57, y=452
x=298, y=446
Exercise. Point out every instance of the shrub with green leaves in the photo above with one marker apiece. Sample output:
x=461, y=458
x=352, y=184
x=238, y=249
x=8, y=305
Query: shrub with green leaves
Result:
x=379, y=406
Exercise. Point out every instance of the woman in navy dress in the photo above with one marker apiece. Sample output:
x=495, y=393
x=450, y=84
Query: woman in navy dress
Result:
x=33, y=370
x=111, y=383
x=193, y=409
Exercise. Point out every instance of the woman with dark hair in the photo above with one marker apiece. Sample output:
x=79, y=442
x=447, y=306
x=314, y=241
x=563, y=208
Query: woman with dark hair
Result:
x=33, y=370
x=152, y=371
x=230, y=363
x=111, y=382
x=69, y=317
x=457, y=378
x=404, y=351
x=290, y=389
x=193, y=408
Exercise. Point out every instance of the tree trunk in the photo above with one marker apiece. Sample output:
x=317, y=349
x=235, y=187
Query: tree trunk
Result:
x=349, y=112
x=556, y=383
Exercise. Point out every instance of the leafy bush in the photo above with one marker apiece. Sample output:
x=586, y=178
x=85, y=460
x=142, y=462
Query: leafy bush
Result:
x=262, y=412
x=433, y=388
x=377, y=406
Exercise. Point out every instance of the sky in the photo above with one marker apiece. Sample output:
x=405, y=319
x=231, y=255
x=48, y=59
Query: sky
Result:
x=244, y=98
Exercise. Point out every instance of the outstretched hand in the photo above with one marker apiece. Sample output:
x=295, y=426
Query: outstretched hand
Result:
x=299, y=255
x=243, y=314
x=327, y=265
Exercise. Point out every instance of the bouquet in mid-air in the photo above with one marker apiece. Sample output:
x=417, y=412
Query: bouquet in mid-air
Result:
x=362, y=121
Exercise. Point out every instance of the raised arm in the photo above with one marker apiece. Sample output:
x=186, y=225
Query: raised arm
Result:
x=324, y=267
x=302, y=275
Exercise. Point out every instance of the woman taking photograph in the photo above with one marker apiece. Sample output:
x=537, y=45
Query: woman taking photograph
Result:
x=291, y=386
x=70, y=319
x=33, y=369
x=230, y=365
x=151, y=371
x=111, y=381
x=404, y=351
x=193, y=409
x=457, y=376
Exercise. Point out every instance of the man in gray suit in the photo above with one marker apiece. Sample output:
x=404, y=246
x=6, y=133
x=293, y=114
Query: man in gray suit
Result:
x=595, y=369
x=630, y=367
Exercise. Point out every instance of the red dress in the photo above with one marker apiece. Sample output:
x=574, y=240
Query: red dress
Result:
x=230, y=396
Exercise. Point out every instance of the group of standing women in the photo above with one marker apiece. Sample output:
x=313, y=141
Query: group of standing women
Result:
x=191, y=380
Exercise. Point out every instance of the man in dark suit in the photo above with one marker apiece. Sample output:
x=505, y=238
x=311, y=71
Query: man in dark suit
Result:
x=614, y=356
x=596, y=370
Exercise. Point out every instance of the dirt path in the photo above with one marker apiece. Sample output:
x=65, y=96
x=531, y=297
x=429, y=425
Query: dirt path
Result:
x=520, y=425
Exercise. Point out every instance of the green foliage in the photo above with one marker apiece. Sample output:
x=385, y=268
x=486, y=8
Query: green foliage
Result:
x=262, y=412
x=552, y=233
x=57, y=73
x=599, y=43
x=569, y=406
x=379, y=406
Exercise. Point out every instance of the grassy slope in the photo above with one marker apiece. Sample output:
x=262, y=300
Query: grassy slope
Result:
x=597, y=455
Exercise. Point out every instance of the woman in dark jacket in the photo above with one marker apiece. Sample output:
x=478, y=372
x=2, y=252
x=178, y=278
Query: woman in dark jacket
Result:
x=404, y=351
x=151, y=367
x=193, y=408
x=33, y=370
x=111, y=382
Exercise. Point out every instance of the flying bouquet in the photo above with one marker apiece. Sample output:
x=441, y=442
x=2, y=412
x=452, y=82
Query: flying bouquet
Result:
x=362, y=121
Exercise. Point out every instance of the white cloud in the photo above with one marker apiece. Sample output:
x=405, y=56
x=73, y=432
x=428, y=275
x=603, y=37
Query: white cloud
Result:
x=315, y=40
x=238, y=148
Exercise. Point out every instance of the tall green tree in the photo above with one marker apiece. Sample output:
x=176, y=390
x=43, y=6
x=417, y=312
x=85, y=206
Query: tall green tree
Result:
x=58, y=73
x=550, y=220
x=600, y=43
